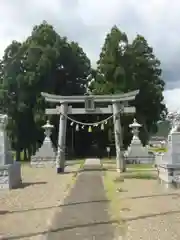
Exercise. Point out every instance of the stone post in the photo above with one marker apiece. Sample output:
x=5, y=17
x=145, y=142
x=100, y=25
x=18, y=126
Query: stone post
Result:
x=60, y=158
x=10, y=170
x=120, y=163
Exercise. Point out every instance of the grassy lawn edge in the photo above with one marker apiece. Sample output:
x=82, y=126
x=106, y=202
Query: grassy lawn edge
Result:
x=115, y=206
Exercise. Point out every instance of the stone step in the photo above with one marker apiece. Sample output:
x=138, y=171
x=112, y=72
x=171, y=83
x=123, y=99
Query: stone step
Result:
x=92, y=163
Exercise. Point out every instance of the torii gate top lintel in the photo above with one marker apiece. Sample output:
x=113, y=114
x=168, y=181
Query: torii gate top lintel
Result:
x=97, y=98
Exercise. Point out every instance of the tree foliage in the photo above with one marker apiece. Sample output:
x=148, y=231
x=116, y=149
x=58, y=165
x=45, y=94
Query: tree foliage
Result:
x=45, y=61
x=48, y=62
x=123, y=67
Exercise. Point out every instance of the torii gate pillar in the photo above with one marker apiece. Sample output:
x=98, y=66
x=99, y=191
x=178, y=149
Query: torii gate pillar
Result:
x=60, y=158
x=120, y=163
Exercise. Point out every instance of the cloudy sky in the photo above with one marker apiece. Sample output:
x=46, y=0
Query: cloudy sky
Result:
x=88, y=21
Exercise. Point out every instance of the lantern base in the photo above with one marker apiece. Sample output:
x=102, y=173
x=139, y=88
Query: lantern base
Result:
x=45, y=155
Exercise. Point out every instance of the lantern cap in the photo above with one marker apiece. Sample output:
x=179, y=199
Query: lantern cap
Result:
x=47, y=125
x=135, y=124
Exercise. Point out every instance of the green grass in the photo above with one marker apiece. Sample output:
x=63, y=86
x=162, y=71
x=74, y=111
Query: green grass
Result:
x=21, y=155
x=111, y=193
x=156, y=149
x=115, y=206
x=80, y=161
x=75, y=161
x=140, y=175
x=111, y=163
x=140, y=166
x=114, y=187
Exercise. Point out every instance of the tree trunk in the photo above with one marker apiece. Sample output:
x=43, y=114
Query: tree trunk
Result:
x=18, y=155
x=34, y=148
x=25, y=155
x=30, y=150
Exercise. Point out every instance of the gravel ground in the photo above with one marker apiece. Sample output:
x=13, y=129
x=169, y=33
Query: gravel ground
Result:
x=149, y=210
x=26, y=212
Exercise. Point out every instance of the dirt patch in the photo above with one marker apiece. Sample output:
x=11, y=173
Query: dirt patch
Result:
x=26, y=212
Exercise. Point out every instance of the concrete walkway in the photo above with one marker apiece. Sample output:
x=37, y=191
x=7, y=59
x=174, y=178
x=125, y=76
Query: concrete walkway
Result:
x=84, y=215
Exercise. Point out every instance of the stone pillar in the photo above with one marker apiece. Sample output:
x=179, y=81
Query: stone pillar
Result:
x=60, y=158
x=120, y=163
x=10, y=170
x=169, y=167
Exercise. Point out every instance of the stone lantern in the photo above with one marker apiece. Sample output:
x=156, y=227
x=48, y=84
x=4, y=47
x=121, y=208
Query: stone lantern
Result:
x=136, y=153
x=45, y=155
x=135, y=128
x=48, y=130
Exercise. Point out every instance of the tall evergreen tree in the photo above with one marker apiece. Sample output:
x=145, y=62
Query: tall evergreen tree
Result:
x=124, y=67
x=144, y=73
x=44, y=62
x=110, y=67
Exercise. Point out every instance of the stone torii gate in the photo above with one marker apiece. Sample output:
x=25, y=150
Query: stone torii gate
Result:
x=118, y=103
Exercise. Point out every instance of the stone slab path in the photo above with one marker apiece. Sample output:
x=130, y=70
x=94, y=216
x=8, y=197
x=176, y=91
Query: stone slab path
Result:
x=84, y=215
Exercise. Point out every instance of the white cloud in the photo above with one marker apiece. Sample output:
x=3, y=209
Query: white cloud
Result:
x=88, y=21
x=172, y=99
